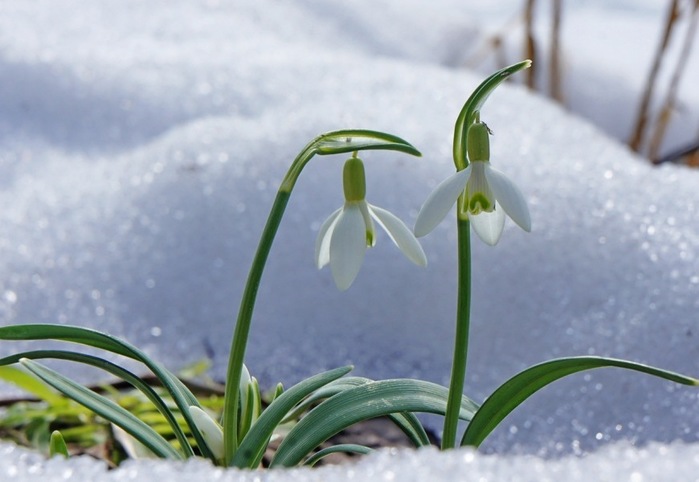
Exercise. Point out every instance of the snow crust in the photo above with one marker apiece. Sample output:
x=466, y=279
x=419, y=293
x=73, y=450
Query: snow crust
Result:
x=141, y=144
x=612, y=463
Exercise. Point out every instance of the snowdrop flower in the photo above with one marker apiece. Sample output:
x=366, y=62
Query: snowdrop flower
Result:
x=345, y=236
x=488, y=194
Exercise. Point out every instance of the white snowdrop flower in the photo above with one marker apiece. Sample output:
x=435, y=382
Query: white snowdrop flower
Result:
x=488, y=194
x=345, y=236
x=210, y=430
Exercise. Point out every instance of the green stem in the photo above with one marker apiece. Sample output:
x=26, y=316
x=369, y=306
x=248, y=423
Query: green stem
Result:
x=242, y=326
x=247, y=304
x=463, y=316
x=336, y=142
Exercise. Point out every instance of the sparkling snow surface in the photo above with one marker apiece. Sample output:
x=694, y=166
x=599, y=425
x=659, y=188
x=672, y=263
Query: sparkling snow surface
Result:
x=141, y=144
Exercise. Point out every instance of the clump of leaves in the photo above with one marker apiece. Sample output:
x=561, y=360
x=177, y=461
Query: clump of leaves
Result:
x=47, y=419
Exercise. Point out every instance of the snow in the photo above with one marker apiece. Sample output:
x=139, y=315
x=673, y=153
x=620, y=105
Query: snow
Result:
x=615, y=462
x=141, y=144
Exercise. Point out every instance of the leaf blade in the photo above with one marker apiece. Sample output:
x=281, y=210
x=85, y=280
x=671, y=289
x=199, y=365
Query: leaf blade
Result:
x=370, y=400
x=115, y=370
x=182, y=396
x=520, y=387
x=105, y=408
x=340, y=448
x=252, y=447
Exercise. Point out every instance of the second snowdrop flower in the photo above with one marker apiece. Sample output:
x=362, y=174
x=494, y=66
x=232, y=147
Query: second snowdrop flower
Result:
x=345, y=236
x=487, y=194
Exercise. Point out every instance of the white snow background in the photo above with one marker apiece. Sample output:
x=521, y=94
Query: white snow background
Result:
x=141, y=144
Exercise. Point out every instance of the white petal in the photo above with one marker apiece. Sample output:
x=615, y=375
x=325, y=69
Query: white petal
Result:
x=509, y=197
x=323, y=240
x=440, y=201
x=347, y=246
x=400, y=235
x=488, y=226
x=369, y=223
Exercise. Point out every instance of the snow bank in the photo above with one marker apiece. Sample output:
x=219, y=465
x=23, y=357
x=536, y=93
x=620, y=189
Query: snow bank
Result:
x=613, y=463
x=141, y=146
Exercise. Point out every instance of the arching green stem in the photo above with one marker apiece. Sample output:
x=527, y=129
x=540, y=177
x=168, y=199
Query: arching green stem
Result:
x=337, y=142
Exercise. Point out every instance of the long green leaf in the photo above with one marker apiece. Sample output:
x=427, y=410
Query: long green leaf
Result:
x=29, y=384
x=340, y=448
x=410, y=425
x=474, y=104
x=115, y=370
x=407, y=422
x=371, y=400
x=520, y=387
x=327, y=391
x=182, y=396
x=105, y=408
x=252, y=447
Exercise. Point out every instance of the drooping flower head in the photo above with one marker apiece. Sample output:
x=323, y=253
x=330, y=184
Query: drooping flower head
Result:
x=487, y=194
x=347, y=233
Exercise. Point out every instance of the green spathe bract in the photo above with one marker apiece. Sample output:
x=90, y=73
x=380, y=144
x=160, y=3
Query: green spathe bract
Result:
x=326, y=403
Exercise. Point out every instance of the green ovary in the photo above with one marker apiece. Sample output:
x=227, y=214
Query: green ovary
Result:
x=353, y=180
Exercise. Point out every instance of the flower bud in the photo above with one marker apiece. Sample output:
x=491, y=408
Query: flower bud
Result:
x=210, y=430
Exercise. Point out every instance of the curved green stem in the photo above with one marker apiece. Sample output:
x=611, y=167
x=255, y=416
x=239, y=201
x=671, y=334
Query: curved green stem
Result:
x=331, y=143
x=463, y=316
x=242, y=326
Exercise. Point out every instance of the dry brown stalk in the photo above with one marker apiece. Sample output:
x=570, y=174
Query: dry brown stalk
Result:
x=529, y=43
x=555, y=87
x=636, y=140
x=670, y=102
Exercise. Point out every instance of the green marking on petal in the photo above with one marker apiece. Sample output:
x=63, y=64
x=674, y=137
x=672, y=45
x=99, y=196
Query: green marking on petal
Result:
x=369, y=223
x=479, y=202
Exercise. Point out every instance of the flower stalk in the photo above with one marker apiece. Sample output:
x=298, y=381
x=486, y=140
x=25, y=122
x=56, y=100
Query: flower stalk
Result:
x=336, y=142
x=465, y=150
x=463, y=321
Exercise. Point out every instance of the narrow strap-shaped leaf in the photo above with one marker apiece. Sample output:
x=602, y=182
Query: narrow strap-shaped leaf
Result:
x=250, y=409
x=407, y=422
x=324, y=392
x=520, y=387
x=410, y=425
x=182, y=396
x=117, y=371
x=340, y=448
x=371, y=400
x=105, y=408
x=252, y=447
x=28, y=383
